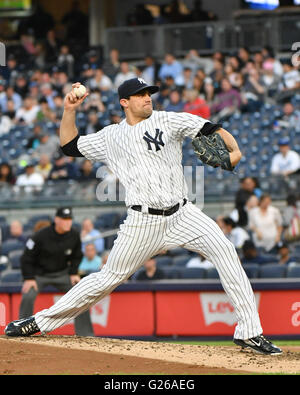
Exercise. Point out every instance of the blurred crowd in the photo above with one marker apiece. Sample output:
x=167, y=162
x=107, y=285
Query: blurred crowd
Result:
x=35, y=81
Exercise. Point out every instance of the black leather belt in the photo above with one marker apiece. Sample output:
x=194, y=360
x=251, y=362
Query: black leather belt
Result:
x=165, y=213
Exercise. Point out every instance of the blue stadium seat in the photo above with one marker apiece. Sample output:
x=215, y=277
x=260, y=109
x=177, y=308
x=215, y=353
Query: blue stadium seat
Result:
x=193, y=272
x=293, y=271
x=107, y=221
x=251, y=269
x=270, y=270
x=172, y=272
x=181, y=260
x=15, y=259
x=12, y=276
x=212, y=273
x=163, y=261
x=11, y=245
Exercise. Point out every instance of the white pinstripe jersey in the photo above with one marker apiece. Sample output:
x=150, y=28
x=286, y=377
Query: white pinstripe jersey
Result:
x=146, y=157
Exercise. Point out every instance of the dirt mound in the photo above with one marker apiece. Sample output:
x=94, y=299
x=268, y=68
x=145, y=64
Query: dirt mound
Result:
x=80, y=355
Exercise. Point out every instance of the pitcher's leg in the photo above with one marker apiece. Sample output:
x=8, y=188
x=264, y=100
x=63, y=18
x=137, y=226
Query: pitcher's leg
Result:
x=213, y=244
x=137, y=241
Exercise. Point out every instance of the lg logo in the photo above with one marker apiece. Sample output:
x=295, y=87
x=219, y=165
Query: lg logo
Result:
x=296, y=56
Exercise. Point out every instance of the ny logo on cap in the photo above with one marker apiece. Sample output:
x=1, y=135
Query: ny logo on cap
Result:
x=66, y=211
x=142, y=81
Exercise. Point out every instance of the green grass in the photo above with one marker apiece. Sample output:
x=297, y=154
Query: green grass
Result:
x=230, y=343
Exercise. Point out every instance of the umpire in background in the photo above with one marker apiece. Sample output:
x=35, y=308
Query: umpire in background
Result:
x=51, y=257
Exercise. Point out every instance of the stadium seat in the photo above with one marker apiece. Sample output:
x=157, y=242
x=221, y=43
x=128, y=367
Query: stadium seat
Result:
x=172, y=272
x=15, y=259
x=38, y=217
x=181, y=260
x=177, y=251
x=251, y=269
x=11, y=245
x=107, y=221
x=193, y=272
x=12, y=276
x=293, y=271
x=163, y=261
x=212, y=273
x=270, y=270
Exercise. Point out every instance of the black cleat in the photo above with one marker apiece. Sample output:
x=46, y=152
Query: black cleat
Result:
x=23, y=327
x=259, y=344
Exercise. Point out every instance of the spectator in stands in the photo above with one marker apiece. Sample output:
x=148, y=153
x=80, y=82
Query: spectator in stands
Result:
x=30, y=181
x=250, y=254
x=265, y=221
x=290, y=117
x=234, y=77
x=11, y=71
x=194, y=104
x=10, y=94
x=90, y=234
x=188, y=78
x=111, y=67
x=243, y=56
x=269, y=79
x=199, y=261
x=49, y=144
x=28, y=112
x=86, y=171
x=21, y=86
x=285, y=257
x=226, y=102
x=40, y=21
x=124, y=74
x=234, y=233
x=251, y=202
x=16, y=232
x=34, y=140
x=5, y=124
x=11, y=111
x=45, y=114
x=194, y=61
x=291, y=210
x=94, y=102
x=287, y=161
x=171, y=66
x=100, y=81
x=150, y=271
x=91, y=261
x=290, y=83
x=44, y=166
x=150, y=71
x=176, y=103
x=248, y=187
x=58, y=107
x=7, y=174
x=52, y=47
x=66, y=61
x=115, y=116
x=93, y=122
x=63, y=168
x=253, y=92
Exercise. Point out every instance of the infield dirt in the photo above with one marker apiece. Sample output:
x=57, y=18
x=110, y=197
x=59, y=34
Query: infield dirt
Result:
x=73, y=355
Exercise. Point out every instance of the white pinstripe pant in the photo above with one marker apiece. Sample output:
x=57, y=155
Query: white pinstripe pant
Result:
x=144, y=235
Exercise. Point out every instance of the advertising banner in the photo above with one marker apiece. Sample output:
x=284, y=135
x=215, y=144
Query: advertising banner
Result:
x=4, y=311
x=212, y=314
x=119, y=314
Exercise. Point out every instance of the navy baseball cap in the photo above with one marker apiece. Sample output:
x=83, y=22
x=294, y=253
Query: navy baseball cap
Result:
x=64, y=212
x=284, y=141
x=133, y=86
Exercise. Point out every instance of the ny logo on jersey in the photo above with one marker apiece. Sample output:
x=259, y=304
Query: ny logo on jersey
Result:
x=156, y=141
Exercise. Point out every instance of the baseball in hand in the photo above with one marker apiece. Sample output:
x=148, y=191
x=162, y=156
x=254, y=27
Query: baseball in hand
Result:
x=80, y=91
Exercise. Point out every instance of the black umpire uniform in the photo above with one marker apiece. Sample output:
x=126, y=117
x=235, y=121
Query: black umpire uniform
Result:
x=50, y=258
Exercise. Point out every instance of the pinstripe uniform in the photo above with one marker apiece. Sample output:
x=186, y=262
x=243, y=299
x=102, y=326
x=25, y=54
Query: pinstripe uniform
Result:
x=147, y=160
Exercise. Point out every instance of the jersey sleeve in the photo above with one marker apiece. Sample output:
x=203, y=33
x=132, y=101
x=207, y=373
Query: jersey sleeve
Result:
x=93, y=146
x=184, y=124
